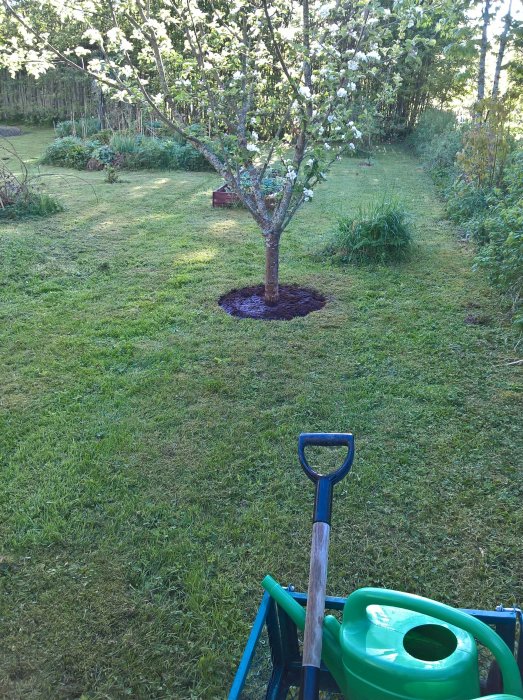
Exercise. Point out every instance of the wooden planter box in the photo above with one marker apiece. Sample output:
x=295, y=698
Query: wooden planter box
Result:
x=222, y=198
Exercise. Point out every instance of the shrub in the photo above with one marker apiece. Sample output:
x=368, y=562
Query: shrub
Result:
x=432, y=123
x=129, y=151
x=69, y=152
x=103, y=136
x=111, y=174
x=379, y=233
x=502, y=256
x=86, y=126
x=186, y=157
x=150, y=153
x=104, y=154
x=30, y=203
x=122, y=143
x=486, y=145
x=464, y=200
x=439, y=156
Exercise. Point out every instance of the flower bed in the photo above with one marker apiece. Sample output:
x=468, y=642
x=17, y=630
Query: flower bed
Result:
x=132, y=152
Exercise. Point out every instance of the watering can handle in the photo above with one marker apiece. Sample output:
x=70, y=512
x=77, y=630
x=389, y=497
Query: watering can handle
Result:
x=357, y=603
x=325, y=482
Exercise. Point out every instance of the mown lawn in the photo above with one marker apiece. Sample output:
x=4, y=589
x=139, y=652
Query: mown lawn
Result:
x=148, y=440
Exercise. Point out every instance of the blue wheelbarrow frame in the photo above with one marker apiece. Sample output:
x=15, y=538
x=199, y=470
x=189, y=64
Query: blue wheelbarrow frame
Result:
x=285, y=651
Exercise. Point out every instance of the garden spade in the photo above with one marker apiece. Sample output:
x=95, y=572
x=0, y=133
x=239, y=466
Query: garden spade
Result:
x=324, y=483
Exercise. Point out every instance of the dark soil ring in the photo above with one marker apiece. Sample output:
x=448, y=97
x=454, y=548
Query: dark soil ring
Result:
x=294, y=301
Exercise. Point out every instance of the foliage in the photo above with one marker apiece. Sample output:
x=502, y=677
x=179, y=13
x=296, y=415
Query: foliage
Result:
x=486, y=145
x=29, y=204
x=111, y=174
x=439, y=156
x=272, y=182
x=186, y=157
x=138, y=152
x=502, y=257
x=482, y=194
x=123, y=143
x=69, y=152
x=436, y=139
x=86, y=126
x=154, y=153
x=104, y=154
x=467, y=203
x=104, y=136
x=432, y=123
x=380, y=232
x=19, y=195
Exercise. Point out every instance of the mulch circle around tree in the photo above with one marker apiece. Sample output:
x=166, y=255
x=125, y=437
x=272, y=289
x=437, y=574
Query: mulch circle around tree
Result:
x=249, y=302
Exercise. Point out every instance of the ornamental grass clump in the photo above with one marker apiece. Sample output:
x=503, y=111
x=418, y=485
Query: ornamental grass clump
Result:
x=380, y=232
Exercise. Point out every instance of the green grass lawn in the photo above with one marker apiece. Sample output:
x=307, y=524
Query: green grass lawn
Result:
x=148, y=440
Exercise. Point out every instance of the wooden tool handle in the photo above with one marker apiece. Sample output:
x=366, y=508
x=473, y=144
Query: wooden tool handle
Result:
x=316, y=595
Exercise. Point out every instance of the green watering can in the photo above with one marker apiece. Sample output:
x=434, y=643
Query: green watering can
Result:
x=399, y=646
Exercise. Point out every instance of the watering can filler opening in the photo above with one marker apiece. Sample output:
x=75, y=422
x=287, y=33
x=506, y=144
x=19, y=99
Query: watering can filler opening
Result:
x=389, y=652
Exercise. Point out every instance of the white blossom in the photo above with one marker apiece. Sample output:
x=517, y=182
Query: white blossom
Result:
x=93, y=35
x=341, y=92
x=253, y=148
x=327, y=146
x=325, y=10
x=352, y=146
x=292, y=174
x=305, y=91
x=309, y=194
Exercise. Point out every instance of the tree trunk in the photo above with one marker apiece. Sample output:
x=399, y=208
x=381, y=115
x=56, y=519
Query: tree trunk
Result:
x=501, y=51
x=272, y=259
x=101, y=107
x=483, y=50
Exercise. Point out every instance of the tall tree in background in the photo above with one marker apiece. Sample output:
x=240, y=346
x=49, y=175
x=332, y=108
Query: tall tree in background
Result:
x=483, y=49
x=501, y=50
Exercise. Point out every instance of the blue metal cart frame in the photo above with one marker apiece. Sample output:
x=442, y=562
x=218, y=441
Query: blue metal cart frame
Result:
x=285, y=652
